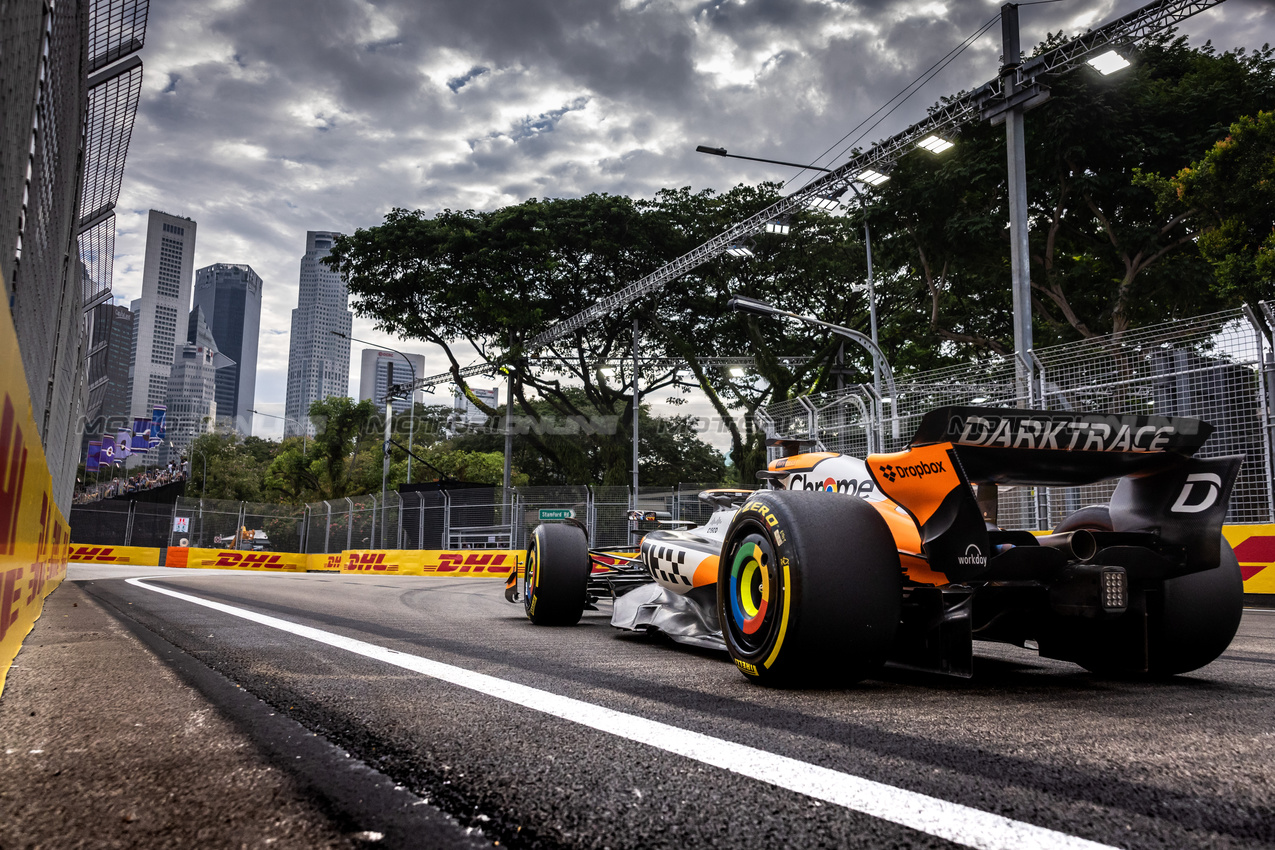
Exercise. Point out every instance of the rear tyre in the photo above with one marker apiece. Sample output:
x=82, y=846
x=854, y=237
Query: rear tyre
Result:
x=556, y=577
x=1190, y=620
x=809, y=589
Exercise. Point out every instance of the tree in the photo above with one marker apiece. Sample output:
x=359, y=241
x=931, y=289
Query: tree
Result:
x=234, y=466
x=493, y=280
x=1100, y=243
x=596, y=448
x=1228, y=198
x=329, y=468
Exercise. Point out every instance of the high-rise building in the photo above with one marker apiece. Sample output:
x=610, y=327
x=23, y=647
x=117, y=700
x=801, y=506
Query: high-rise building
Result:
x=229, y=295
x=318, y=360
x=378, y=370
x=110, y=354
x=192, y=387
x=162, y=310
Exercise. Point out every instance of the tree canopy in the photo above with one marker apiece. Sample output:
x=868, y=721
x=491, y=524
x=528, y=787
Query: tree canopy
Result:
x=1107, y=251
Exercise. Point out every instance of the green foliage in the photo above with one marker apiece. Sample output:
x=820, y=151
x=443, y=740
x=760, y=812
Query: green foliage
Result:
x=1229, y=196
x=596, y=448
x=234, y=467
x=1105, y=255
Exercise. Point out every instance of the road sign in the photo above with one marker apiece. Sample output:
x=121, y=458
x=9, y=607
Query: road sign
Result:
x=550, y=514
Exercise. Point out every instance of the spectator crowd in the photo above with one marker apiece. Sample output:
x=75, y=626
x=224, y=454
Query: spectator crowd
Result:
x=145, y=479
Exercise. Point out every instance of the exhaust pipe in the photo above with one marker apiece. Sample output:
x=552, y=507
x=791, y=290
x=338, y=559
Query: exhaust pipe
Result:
x=1079, y=545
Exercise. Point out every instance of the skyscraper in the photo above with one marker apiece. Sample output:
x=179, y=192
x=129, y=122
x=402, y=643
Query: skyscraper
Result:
x=192, y=387
x=229, y=295
x=160, y=314
x=379, y=369
x=110, y=354
x=318, y=360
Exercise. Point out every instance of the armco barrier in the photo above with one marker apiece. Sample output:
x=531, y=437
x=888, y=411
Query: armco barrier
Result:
x=34, y=536
x=138, y=556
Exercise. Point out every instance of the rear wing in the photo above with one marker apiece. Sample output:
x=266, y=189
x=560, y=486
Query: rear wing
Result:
x=1014, y=446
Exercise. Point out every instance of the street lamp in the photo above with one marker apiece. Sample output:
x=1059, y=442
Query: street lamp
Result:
x=411, y=406
x=305, y=432
x=389, y=415
x=879, y=360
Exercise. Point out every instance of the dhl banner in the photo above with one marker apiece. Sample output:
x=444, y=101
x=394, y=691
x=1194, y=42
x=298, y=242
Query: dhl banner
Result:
x=34, y=536
x=1254, y=547
x=231, y=559
x=138, y=556
x=461, y=563
x=323, y=563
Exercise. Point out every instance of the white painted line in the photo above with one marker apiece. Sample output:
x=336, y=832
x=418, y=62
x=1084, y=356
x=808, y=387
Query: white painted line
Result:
x=950, y=821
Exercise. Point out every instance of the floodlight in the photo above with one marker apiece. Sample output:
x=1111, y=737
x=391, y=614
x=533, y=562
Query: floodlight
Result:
x=608, y=371
x=823, y=203
x=750, y=305
x=1108, y=63
x=873, y=178
x=738, y=250
x=779, y=226
x=737, y=371
x=934, y=144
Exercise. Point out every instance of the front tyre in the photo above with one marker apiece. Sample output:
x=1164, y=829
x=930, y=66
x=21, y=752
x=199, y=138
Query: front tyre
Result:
x=809, y=588
x=556, y=577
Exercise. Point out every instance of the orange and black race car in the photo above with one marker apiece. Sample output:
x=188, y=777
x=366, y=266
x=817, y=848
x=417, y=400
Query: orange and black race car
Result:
x=840, y=565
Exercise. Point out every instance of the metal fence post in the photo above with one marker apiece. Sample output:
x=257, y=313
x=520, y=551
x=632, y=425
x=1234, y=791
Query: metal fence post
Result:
x=447, y=518
x=128, y=524
x=349, y=523
x=398, y=538
x=327, y=528
x=371, y=538
x=420, y=519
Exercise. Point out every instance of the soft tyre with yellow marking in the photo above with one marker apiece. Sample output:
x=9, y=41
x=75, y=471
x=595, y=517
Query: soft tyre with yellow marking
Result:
x=808, y=588
x=556, y=577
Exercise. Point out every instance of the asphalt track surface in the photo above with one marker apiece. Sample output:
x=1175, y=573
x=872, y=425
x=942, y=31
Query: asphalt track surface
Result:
x=591, y=737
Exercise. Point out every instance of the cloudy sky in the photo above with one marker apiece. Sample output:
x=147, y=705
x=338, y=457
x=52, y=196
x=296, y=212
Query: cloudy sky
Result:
x=262, y=120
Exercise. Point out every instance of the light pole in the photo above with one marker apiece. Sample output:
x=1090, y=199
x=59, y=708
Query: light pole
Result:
x=411, y=401
x=305, y=432
x=830, y=203
x=203, y=482
x=389, y=415
x=879, y=360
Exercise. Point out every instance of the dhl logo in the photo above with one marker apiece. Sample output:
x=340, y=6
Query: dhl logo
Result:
x=456, y=562
x=370, y=562
x=94, y=554
x=250, y=559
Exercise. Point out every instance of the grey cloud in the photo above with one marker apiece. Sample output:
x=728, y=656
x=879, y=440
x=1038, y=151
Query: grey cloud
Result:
x=267, y=119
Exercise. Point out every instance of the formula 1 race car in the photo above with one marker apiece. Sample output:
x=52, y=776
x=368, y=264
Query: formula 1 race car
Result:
x=841, y=565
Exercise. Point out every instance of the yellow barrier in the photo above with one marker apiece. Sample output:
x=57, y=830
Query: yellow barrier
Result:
x=1254, y=547
x=138, y=556
x=230, y=559
x=462, y=563
x=34, y=536
x=323, y=563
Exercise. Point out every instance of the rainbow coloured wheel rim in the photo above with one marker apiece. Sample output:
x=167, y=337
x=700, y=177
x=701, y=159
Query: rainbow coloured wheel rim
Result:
x=753, y=593
x=530, y=574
